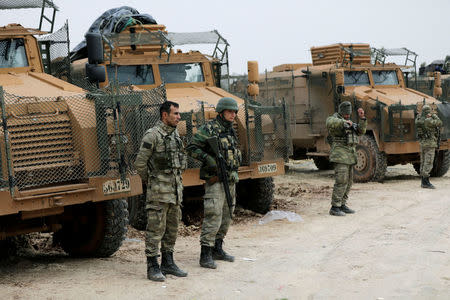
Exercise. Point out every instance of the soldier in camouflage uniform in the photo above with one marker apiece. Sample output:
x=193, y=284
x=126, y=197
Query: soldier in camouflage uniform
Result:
x=160, y=162
x=217, y=217
x=344, y=137
x=428, y=126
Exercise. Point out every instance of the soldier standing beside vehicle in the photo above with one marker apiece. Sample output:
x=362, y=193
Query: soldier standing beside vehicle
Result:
x=160, y=162
x=217, y=213
x=428, y=127
x=344, y=137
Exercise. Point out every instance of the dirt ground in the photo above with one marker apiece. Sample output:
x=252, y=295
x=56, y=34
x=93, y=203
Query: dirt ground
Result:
x=395, y=247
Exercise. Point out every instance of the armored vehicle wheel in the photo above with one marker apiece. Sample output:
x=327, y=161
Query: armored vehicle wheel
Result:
x=371, y=164
x=94, y=229
x=322, y=163
x=136, y=208
x=256, y=194
x=441, y=163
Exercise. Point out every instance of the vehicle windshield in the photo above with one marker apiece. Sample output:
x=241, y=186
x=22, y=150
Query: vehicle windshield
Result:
x=137, y=74
x=12, y=53
x=356, y=78
x=178, y=73
x=385, y=77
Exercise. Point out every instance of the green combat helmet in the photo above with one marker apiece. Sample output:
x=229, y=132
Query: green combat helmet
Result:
x=426, y=109
x=226, y=103
x=345, y=108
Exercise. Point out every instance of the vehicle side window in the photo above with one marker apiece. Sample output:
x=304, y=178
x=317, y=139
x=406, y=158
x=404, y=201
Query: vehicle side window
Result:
x=135, y=74
x=179, y=73
x=12, y=53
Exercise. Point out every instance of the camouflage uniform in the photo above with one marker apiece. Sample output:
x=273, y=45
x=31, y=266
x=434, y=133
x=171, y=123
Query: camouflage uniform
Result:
x=160, y=162
x=217, y=218
x=428, y=134
x=343, y=153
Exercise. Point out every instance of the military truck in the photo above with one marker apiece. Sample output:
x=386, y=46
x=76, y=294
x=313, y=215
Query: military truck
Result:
x=143, y=57
x=60, y=170
x=345, y=72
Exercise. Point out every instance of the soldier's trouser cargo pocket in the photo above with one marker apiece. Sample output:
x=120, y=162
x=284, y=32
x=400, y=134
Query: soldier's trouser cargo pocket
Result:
x=343, y=182
x=217, y=218
x=162, y=226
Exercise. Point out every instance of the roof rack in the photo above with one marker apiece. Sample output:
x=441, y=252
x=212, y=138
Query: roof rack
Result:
x=380, y=55
x=43, y=4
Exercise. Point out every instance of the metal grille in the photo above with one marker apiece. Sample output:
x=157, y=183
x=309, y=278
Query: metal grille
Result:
x=68, y=139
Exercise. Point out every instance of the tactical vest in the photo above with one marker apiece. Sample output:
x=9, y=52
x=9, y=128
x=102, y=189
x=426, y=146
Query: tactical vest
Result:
x=228, y=143
x=343, y=136
x=169, y=155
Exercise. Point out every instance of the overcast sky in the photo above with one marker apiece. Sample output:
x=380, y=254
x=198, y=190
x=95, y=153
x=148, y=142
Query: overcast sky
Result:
x=277, y=32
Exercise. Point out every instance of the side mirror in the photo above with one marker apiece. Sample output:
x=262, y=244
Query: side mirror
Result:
x=437, y=90
x=94, y=45
x=253, y=78
x=96, y=73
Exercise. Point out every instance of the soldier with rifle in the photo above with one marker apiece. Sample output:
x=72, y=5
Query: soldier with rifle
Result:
x=344, y=138
x=428, y=131
x=215, y=144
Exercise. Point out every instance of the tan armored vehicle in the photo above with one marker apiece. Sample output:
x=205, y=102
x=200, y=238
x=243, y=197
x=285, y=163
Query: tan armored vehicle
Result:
x=342, y=72
x=143, y=57
x=428, y=79
x=60, y=170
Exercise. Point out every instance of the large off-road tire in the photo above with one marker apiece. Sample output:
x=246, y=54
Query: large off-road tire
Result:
x=441, y=164
x=322, y=163
x=94, y=229
x=371, y=164
x=136, y=209
x=256, y=194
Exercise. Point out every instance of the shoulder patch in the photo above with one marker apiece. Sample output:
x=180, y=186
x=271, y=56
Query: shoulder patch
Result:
x=147, y=145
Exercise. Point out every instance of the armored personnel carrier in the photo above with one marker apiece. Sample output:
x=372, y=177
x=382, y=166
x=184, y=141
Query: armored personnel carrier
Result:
x=345, y=72
x=60, y=166
x=143, y=57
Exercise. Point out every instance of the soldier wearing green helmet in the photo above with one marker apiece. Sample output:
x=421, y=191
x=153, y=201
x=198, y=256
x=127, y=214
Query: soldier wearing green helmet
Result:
x=217, y=216
x=428, y=126
x=344, y=137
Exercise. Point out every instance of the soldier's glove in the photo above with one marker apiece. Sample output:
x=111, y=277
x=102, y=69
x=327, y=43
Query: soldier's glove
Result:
x=211, y=164
x=234, y=177
x=434, y=116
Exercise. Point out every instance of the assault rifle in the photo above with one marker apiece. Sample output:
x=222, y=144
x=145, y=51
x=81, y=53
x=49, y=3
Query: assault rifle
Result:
x=222, y=170
x=353, y=127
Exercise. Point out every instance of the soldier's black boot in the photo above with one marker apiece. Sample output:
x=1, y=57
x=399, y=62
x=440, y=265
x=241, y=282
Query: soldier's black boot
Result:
x=336, y=211
x=346, y=209
x=206, y=260
x=426, y=184
x=219, y=254
x=168, y=266
x=153, y=271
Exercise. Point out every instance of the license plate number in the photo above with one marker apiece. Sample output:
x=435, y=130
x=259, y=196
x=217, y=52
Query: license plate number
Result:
x=116, y=186
x=268, y=168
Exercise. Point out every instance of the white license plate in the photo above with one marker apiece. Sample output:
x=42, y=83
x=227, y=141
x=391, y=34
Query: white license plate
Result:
x=116, y=186
x=268, y=168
